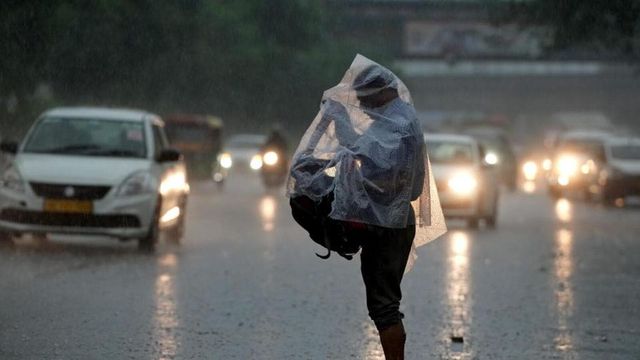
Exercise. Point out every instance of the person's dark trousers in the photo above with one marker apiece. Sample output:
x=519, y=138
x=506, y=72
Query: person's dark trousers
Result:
x=383, y=259
x=384, y=256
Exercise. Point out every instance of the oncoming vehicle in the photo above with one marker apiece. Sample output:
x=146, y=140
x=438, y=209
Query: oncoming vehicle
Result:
x=619, y=176
x=574, y=162
x=94, y=171
x=242, y=153
x=467, y=185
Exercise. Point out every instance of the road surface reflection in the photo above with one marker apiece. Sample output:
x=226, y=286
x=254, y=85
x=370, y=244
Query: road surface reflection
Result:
x=563, y=270
x=564, y=210
x=458, y=282
x=268, y=207
x=165, y=320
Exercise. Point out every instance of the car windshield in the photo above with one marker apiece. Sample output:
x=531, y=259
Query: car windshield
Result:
x=626, y=152
x=449, y=152
x=246, y=141
x=87, y=137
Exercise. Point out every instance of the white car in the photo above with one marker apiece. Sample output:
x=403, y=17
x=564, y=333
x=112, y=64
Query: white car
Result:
x=619, y=175
x=97, y=171
x=467, y=184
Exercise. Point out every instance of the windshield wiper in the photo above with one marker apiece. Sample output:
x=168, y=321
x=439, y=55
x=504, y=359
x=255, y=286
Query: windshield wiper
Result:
x=70, y=149
x=114, y=152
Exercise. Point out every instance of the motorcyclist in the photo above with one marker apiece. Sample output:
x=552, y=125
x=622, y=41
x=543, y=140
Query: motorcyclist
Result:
x=275, y=174
x=276, y=142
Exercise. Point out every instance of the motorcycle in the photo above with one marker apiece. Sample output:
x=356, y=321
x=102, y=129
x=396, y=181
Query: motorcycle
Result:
x=275, y=167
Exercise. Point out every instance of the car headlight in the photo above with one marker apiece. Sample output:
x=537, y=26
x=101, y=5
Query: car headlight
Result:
x=175, y=181
x=11, y=179
x=463, y=183
x=567, y=165
x=270, y=158
x=226, y=161
x=140, y=182
x=491, y=158
x=256, y=162
x=530, y=170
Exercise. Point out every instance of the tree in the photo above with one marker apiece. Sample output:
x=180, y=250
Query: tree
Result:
x=252, y=61
x=604, y=26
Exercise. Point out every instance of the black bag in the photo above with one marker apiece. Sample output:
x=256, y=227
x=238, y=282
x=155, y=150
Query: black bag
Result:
x=340, y=236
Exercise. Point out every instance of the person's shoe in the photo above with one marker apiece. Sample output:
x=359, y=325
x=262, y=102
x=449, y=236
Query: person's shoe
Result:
x=392, y=340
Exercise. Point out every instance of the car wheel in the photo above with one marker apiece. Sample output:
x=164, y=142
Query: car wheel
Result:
x=149, y=241
x=473, y=223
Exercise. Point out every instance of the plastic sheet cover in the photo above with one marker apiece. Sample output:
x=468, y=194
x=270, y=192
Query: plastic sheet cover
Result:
x=372, y=158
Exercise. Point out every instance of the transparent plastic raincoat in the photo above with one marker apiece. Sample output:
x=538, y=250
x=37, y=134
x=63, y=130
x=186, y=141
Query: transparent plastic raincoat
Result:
x=372, y=158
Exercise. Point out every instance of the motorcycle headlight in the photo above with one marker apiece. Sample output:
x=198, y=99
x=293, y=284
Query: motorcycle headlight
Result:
x=530, y=170
x=140, y=182
x=491, y=158
x=11, y=179
x=463, y=183
x=270, y=158
x=226, y=161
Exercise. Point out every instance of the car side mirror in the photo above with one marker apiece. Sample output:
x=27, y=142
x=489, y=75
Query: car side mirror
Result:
x=169, y=155
x=9, y=147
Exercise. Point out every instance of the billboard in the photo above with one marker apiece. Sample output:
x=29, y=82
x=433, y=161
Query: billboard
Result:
x=469, y=39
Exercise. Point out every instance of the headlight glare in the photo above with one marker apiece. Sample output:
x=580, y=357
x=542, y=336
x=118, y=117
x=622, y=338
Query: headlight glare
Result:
x=226, y=161
x=270, y=158
x=567, y=165
x=463, y=183
x=256, y=162
x=491, y=158
x=530, y=170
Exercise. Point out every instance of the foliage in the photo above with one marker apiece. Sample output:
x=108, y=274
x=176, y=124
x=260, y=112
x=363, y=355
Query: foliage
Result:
x=602, y=25
x=252, y=62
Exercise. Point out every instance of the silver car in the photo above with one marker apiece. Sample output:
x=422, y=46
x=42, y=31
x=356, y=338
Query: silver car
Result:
x=467, y=185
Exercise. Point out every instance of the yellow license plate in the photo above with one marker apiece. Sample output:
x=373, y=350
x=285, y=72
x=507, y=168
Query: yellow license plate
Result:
x=68, y=206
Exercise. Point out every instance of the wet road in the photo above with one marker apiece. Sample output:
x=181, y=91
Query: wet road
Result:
x=553, y=281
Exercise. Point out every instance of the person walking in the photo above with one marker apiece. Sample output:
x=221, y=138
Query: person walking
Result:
x=360, y=179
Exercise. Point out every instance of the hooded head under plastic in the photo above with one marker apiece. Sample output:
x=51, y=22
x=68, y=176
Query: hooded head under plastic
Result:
x=365, y=145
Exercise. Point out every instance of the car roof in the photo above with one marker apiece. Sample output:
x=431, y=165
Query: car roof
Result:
x=585, y=135
x=619, y=140
x=100, y=113
x=450, y=137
